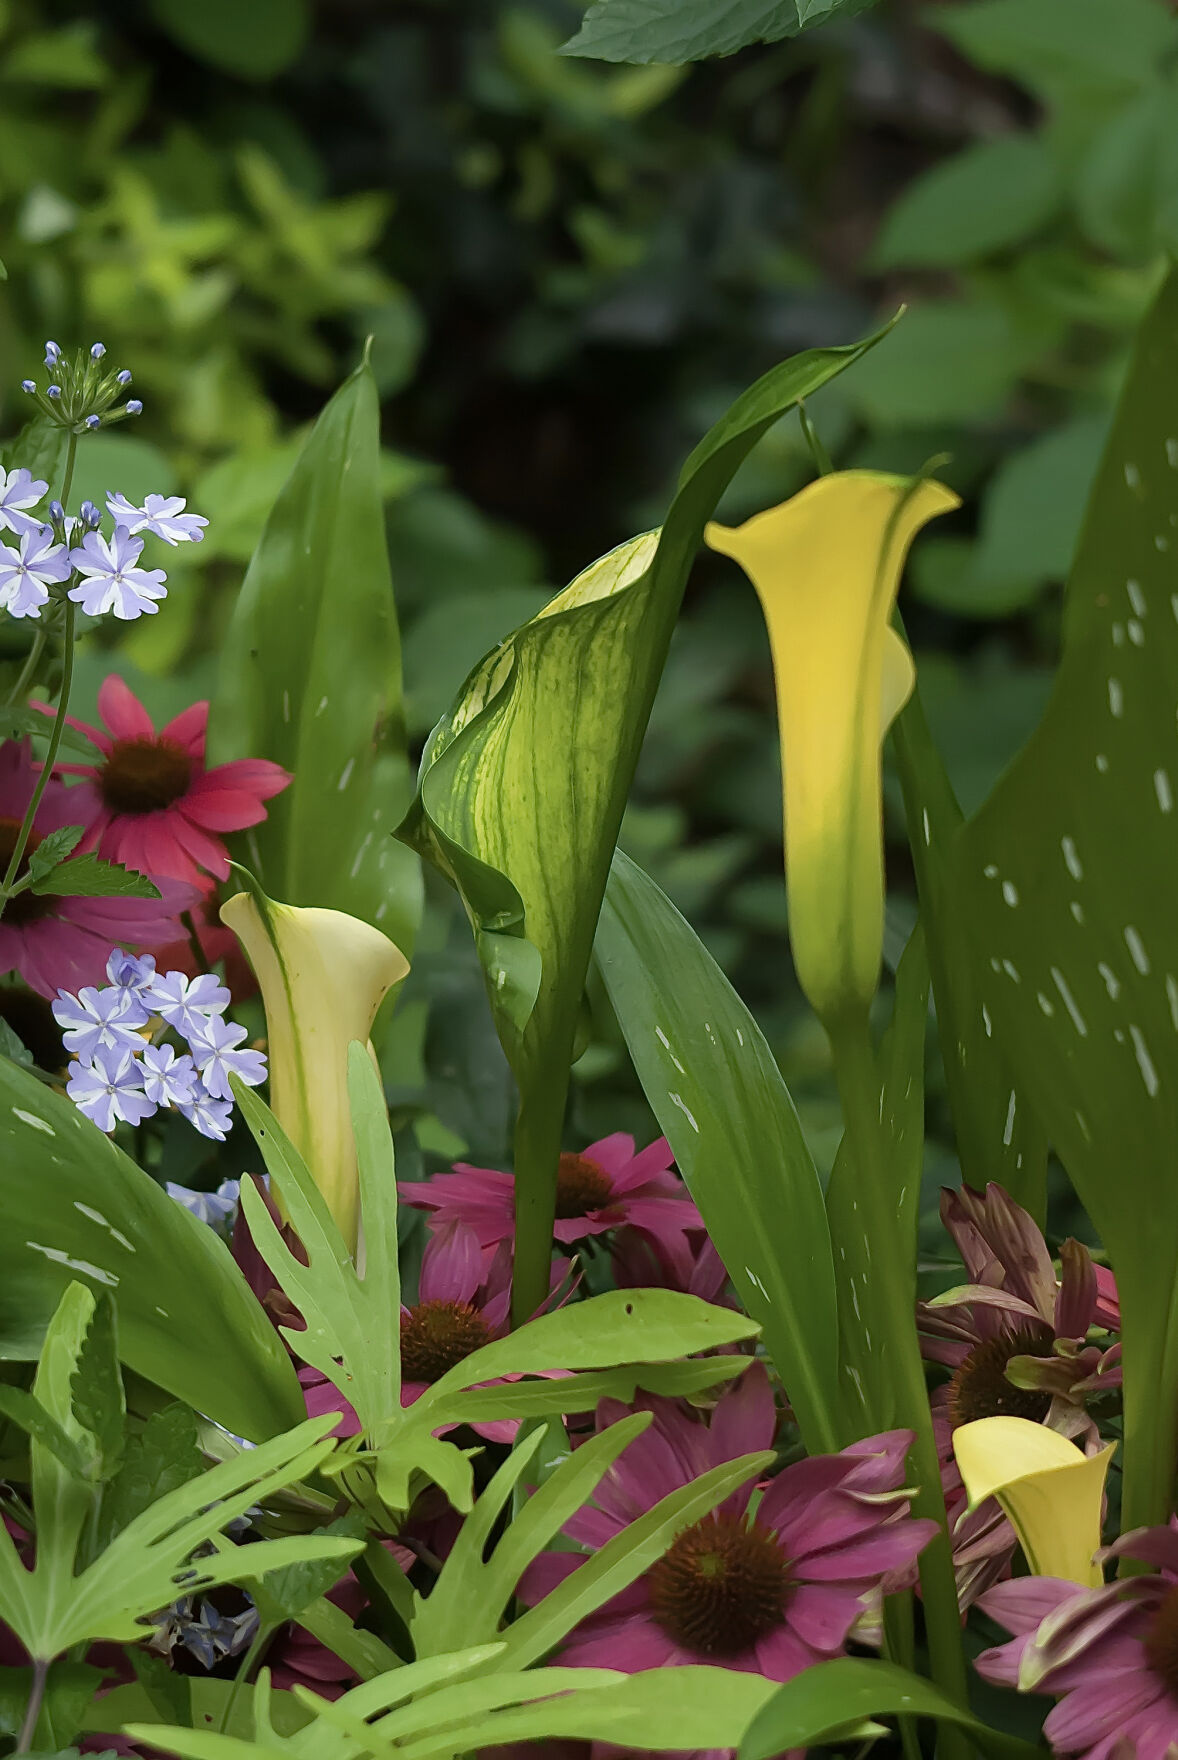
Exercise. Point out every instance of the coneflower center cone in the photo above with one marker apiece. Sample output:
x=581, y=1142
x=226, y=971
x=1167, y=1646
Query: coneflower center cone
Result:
x=436, y=1335
x=979, y=1388
x=144, y=775
x=581, y=1186
x=721, y=1586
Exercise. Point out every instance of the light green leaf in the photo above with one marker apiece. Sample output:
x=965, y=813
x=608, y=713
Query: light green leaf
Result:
x=97, y=1395
x=718, y=1095
x=1049, y=44
x=1064, y=880
x=92, y=877
x=819, y=1704
x=75, y=1206
x=53, y=849
x=29, y=1415
x=1127, y=190
x=524, y=782
x=622, y=1560
x=986, y=199
x=950, y=360
x=693, y=30
x=311, y=678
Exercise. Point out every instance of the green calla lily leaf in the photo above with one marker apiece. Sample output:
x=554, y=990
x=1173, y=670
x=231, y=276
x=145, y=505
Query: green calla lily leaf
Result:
x=1076, y=946
x=76, y=1208
x=524, y=781
x=311, y=678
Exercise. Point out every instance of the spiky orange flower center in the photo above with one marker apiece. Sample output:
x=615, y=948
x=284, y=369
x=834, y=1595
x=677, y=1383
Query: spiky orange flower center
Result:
x=144, y=775
x=979, y=1388
x=581, y=1186
x=436, y=1335
x=722, y=1585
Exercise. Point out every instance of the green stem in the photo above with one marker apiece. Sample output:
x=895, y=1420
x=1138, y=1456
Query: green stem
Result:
x=71, y=453
x=198, y=952
x=859, y=1087
x=252, y=1656
x=67, y=679
x=539, y=1127
x=28, y=671
x=24, y=1740
x=818, y=451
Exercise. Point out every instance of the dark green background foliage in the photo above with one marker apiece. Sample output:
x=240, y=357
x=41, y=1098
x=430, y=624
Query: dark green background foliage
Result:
x=569, y=268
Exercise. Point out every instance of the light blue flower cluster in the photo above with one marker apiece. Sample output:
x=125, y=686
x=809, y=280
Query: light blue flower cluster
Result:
x=120, y=1071
x=104, y=572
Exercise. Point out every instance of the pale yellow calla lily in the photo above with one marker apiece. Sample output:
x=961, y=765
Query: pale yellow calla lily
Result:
x=1050, y=1489
x=826, y=566
x=322, y=975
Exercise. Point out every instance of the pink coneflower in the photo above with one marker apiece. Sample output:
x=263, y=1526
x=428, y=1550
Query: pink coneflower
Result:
x=64, y=943
x=459, y=1308
x=604, y=1187
x=770, y=1592
x=1110, y=1655
x=151, y=804
x=1016, y=1338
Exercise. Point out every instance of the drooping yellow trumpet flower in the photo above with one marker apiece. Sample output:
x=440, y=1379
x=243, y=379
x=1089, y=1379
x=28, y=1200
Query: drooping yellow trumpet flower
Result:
x=1050, y=1489
x=826, y=566
x=322, y=975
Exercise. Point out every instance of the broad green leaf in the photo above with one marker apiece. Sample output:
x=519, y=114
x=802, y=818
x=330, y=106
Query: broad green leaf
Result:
x=17, y=722
x=29, y=1415
x=997, y=1134
x=69, y=1691
x=360, y=1649
x=311, y=678
x=1064, y=879
x=1127, y=190
x=579, y=1393
x=1053, y=44
x=692, y=1709
x=157, y=1459
x=285, y=1594
x=622, y=1560
x=524, y=782
x=92, y=877
x=985, y=199
x=75, y=1206
x=457, y=1714
x=949, y=361
x=96, y=1391
x=692, y=30
x=61, y=1501
x=251, y=42
x=718, y=1095
x=819, y=1704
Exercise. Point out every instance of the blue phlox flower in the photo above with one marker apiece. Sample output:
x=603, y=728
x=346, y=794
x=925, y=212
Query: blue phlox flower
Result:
x=162, y=515
x=217, y=1208
x=128, y=971
x=112, y=579
x=109, y=1087
x=52, y=354
x=19, y=490
x=210, y=1116
x=168, y=1080
x=99, y=1020
x=215, y=1051
x=186, y=1003
x=25, y=575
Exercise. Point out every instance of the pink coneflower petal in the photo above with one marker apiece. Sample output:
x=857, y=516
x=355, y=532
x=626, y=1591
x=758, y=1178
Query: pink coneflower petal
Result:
x=1101, y=1708
x=887, y=1551
x=222, y=809
x=188, y=729
x=630, y=1645
x=783, y=1654
x=1021, y=1606
x=822, y=1617
x=122, y=711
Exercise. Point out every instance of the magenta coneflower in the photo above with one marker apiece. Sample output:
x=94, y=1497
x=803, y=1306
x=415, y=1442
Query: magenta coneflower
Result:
x=604, y=1187
x=151, y=804
x=460, y=1307
x=1110, y=1655
x=769, y=1591
x=64, y=943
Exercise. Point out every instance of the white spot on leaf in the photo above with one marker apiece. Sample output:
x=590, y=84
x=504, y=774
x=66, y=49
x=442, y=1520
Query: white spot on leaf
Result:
x=1071, y=857
x=1137, y=951
x=1069, y=1002
x=1149, y=1074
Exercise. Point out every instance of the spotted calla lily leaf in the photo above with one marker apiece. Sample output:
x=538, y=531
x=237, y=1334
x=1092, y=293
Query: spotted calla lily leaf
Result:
x=76, y=1208
x=311, y=678
x=524, y=782
x=1076, y=940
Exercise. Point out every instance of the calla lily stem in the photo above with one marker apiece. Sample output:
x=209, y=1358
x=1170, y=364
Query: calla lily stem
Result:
x=860, y=1085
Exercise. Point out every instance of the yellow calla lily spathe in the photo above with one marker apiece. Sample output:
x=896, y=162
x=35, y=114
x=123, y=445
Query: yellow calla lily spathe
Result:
x=1050, y=1489
x=826, y=566
x=322, y=975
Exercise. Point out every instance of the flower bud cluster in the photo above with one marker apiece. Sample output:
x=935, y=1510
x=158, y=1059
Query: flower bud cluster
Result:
x=81, y=391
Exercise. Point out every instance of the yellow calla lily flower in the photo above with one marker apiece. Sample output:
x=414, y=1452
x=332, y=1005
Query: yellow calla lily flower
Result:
x=826, y=566
x=322, y=975
x=1050, y=1489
